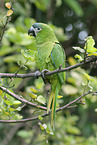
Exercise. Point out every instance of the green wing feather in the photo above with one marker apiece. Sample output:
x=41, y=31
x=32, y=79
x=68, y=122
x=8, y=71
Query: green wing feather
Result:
x=58, y=59
x=57, y=80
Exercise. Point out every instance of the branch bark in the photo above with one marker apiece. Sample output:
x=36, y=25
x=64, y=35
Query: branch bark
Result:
x=38, y=74
x=46, y=114
x=21, y=99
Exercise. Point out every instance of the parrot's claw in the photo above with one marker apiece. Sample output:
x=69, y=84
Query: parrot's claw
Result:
x=37, y=74
x=43, y=74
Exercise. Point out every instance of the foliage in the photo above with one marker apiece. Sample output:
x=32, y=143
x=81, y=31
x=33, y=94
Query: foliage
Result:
x=76, y=125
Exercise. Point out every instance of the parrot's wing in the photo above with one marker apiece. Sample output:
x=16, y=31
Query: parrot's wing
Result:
x=58, y=59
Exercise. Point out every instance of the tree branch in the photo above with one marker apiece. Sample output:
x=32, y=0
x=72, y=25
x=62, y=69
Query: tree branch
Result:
x=21, y=99
x=38, y=74
x=45, y=114
x=4, y=28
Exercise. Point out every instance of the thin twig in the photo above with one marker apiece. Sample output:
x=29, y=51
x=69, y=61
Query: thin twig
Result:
x=46, y=114
x=21, y=99
x=10, y=75
x=4, y=28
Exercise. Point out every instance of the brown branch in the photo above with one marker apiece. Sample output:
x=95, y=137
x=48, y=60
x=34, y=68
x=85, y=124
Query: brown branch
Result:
x=4, y=28
x=21, y=99
x=10, y=75
x=45, y=114
x=38, y=74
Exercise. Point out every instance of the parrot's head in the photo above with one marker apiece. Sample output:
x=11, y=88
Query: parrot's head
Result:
x=34, y=29
x=41, y=30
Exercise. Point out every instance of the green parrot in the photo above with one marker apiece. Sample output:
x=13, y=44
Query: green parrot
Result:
x=49, y=56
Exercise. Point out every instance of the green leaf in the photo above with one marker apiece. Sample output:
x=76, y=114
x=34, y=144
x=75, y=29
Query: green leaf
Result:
x=32, y=95
x=8, y=5
x=79, y=49
x=59, y=97
x=72, y=61
x=73, y=4
x=41, y=99
x=40, y=117
x=11, y=109
x=10, y=12
x=33, y=90
x=79, y=57
x=89, y=45
x=8, y=99
x=94, y=53
x=39, y=83
x=29, y=54
x=88, y=77
x=20, y=38
x=41, y=126
x=1, y=92
x=16, y=102
x=3, y=18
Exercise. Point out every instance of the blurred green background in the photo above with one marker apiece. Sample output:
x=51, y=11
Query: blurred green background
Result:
x=72, y=21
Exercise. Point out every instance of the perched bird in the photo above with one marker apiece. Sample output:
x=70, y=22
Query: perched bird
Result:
x=50, y=56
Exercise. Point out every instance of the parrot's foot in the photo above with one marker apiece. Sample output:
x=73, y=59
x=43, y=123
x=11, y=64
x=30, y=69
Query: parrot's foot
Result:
x=37, y=74
x=43, y=75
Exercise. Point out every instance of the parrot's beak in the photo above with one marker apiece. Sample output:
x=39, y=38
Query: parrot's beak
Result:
x=32, y=31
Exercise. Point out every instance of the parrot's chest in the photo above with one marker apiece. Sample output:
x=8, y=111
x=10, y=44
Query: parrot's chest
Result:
x=43, y=61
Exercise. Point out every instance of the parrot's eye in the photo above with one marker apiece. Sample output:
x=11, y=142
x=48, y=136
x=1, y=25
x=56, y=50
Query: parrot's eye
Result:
x=38, y=28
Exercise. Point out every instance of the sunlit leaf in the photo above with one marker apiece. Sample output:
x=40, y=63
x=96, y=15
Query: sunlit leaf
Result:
x=33, y=90
x=32, y=95
x=41, y=99
x=94, y=53
x=3, y=18
x=16, y=102
x=29, y=54
x=89, y=45
x=40, y=117
x=6, y=113
x=8, y=5
x=10, y=12
x=39, y=83
x=11, y=109
x=79, y=57
x=1, y=92
x=59, y=97
x=41, y=126
x=88, y=77
x=72, y=61
x=79, y=49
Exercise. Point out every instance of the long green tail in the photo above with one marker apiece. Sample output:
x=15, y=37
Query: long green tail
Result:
x=53, y=100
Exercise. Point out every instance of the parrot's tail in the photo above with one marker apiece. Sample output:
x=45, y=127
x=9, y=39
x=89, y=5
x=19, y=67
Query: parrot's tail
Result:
x=53, y=101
